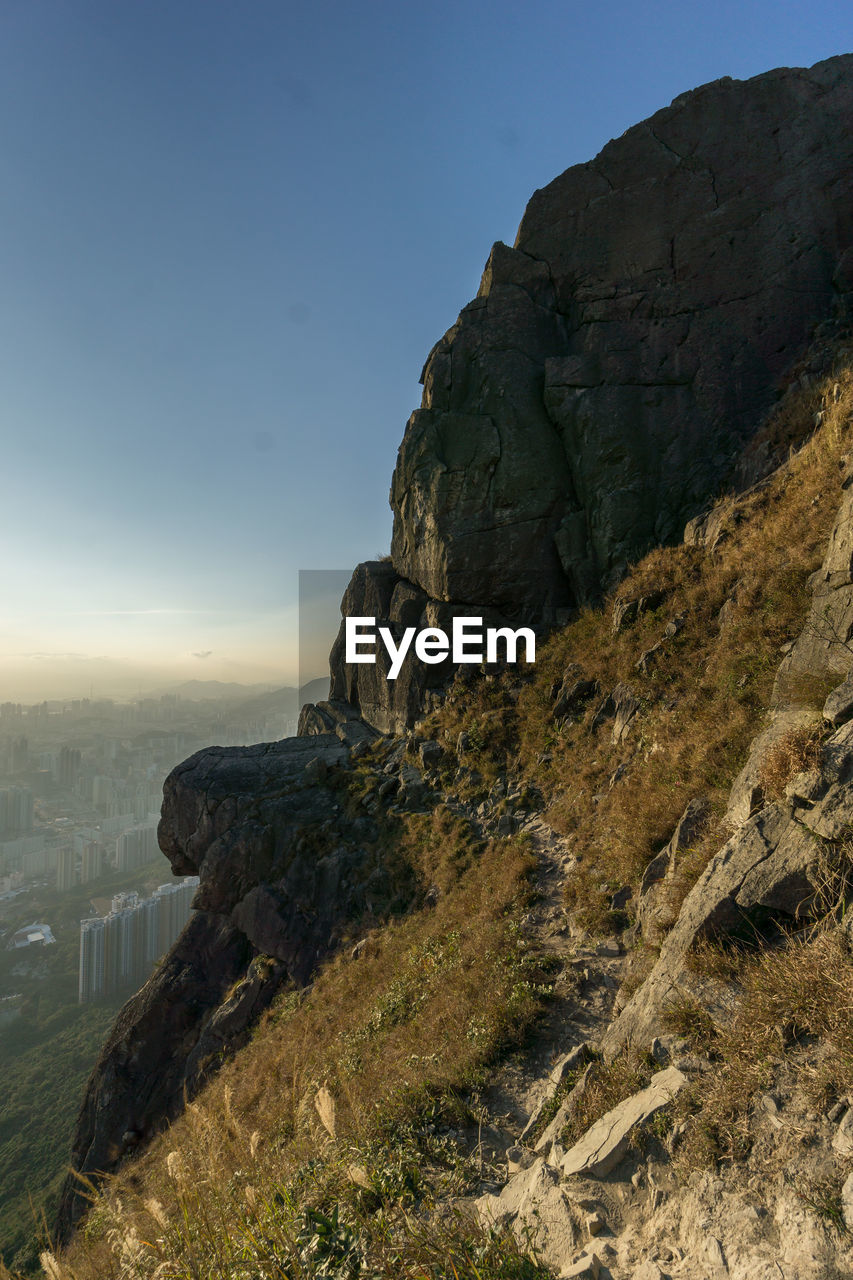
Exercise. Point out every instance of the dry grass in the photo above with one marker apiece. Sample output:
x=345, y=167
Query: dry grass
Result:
x=688, y=1018
x=797, y=751
x=804, y=990
x=722, y=959
x=702, y=699
x=319, y=1151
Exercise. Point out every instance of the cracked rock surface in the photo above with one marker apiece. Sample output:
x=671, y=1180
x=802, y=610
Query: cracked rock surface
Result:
x=592, y=397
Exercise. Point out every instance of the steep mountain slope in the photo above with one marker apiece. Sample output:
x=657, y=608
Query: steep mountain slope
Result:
x=396, y=902
x=466, y=1050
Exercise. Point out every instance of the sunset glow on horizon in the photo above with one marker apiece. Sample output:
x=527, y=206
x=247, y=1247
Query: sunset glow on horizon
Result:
x=232, y=235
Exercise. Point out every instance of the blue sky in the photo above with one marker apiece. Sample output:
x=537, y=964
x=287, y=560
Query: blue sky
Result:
x=231, y=234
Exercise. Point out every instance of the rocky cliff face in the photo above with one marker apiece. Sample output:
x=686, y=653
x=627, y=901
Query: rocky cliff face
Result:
x=598, y=389
x=283, y=869
x=584, y=405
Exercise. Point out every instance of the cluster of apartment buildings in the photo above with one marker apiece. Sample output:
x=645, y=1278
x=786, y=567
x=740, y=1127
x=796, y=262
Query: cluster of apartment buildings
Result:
x=80, y=856
x=119, y=950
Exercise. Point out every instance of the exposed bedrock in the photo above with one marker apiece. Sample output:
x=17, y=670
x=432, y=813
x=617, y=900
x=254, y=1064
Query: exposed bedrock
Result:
x=376, y=590
x=602, y=383
x=283, y=870
x=778, y=860
x=613, y=362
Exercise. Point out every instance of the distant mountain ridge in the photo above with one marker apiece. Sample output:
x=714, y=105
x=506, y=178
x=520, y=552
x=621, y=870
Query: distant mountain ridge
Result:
x=272, y=696
x=198, y=689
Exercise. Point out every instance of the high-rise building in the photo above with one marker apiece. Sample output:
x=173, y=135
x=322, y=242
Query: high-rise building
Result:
x=65, y=862
x=68, y=763
x=118, y=951
x=16, y=810
x=34, y=862
x=121, y=901
x=91, y=980
x=102, y=791
x=136, y=847
x=14, y=854
x=92, y=865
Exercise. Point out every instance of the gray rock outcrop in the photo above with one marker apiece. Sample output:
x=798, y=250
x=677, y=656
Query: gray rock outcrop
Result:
x=598, y=389
x=765, y=867
x=653, y=913
x=606, y=1142
x=772, y=862
x=822, y=651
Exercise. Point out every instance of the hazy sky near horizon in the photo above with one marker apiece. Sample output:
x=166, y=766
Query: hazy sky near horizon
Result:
x=231, y=234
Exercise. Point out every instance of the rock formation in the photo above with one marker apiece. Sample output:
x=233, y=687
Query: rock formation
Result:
x=282, y=871
x=584, y=406
x=599, y=388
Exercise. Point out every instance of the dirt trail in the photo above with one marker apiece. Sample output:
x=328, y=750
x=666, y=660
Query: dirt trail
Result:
x=584, y=990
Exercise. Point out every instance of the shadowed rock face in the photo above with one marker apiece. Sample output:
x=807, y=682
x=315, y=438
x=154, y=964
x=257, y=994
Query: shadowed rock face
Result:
x=614, y=360
x=598, y=389
x=282, y=870
x=376, y=590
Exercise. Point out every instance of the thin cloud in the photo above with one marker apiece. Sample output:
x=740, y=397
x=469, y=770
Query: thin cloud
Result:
x=41, y=655
x=205, y=653
x=136, y=613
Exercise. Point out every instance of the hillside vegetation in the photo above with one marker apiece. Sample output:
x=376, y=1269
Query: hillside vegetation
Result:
x=349, y=1137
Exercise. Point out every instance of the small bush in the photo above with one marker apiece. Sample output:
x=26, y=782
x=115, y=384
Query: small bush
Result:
x=688, y=1018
